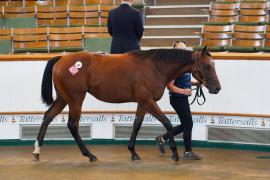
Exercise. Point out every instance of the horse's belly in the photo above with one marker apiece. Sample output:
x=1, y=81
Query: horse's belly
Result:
x=112, y=96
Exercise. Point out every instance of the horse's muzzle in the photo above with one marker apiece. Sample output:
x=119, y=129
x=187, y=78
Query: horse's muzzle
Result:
x=214, y=90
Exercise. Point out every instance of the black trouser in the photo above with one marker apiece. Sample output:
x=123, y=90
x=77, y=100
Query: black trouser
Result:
x=181, y=106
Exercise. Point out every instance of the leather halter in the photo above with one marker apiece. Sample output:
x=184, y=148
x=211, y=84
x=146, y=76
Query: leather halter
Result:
x=197, y=70
x=199, y=92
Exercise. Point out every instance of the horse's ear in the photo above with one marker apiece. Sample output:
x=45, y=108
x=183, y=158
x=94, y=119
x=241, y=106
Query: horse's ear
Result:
x=204, y=50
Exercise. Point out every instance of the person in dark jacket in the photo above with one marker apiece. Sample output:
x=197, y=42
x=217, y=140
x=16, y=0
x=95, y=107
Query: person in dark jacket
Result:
x=179, y=90
x=125, y=25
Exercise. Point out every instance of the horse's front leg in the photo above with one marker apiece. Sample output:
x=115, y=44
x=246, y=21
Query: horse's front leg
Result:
x=155, y=111
x=136, y=127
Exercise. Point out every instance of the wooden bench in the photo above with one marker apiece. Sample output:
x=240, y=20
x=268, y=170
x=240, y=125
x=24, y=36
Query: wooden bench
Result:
x=84, y=15
x=52, y=16
x=247, y=38
x=66, y=39
x=216, y=36
x=30, y=40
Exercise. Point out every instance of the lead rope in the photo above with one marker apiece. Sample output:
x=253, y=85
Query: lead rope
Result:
x=199, y=94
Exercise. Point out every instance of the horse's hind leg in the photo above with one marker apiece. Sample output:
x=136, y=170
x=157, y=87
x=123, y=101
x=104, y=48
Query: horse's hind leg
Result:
x=154, y=110
x=136, y=127
x=73, y=125
x=57, y=106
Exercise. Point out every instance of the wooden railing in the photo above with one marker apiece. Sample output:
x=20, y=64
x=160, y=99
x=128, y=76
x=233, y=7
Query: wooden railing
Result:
x=133, y=112
x=216, y=56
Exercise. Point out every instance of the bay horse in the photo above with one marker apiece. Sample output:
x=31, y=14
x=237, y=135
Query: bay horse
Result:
x=139, y=76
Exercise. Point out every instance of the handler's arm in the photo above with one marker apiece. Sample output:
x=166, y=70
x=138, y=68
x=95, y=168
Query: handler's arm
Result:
x=171, y=87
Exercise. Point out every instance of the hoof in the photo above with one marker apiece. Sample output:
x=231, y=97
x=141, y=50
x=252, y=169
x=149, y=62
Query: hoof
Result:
x=160, y=145
x=92, y=159
x=135, y=158
x=35, y=157
x=175, y=157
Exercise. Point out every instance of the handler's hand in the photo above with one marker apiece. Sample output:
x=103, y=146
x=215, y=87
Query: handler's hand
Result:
x=186, y=92
x=194, y=83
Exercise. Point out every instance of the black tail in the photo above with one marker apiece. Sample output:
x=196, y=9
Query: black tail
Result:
x=46, y=86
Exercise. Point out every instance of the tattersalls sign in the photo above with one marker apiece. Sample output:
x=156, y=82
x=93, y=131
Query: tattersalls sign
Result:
x=103, y=124
x=204, y=120
x=239, y=121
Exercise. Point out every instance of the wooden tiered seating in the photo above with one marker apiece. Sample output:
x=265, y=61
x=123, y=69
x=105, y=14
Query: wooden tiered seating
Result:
x=84, y=2
x=66, y=39
x=93, y=31
x=29, y=2
x=97, y=39
x=247, y=38
x=54, y=39
x=76, y=2
x=223, y=15
x=227, y=0
x=52, y=16
x=108, y=2
x=253, y=5
x=223, y=12
x=1, y=17
x=18, y=12
x=84, y=15
x=216, y=36
x=266, y=46
x=2, y=3
x=19, y=16
x=253, y=12
x=93, y=2
x=224, y=5
x=104, y=13
x=5, y=34
x=60, y=2
x=5, y=41
x=43, y=3
x=13, y=3
x=30, y=39
x=61, y=13
x=253, y=15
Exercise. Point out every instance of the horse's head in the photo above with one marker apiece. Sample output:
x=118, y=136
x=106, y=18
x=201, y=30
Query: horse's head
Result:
x=204, y=70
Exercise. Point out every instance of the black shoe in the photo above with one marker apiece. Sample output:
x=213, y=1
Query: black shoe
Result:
x=191, y=156
x=160, y=144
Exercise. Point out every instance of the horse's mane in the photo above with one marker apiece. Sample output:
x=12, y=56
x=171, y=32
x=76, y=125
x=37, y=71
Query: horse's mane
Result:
x=173, y=55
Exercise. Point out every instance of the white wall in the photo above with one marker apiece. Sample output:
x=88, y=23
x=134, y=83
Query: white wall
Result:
x=244, y=90
x=245, y=87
